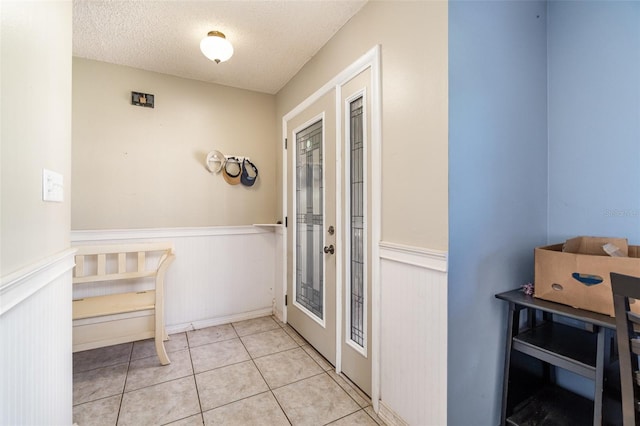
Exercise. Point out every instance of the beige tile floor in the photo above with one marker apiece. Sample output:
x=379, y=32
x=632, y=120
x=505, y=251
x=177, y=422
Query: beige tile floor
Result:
x=255, y=372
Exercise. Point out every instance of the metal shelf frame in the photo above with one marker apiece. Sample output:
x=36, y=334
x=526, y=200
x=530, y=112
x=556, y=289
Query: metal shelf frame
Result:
x=581, y=351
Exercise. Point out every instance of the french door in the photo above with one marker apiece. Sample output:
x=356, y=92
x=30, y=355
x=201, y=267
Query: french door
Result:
x=312, y=239
x=356, y=212
x=329, y=238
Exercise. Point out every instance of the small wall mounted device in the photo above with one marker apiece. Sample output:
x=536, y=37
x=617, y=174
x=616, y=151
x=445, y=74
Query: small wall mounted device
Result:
x=142, y=99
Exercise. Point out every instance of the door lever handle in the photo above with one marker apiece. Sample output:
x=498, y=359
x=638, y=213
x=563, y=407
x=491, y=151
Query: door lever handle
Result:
x=329, y=250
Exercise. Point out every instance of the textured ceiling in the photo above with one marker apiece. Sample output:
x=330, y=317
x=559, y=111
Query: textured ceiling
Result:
x=272, y=39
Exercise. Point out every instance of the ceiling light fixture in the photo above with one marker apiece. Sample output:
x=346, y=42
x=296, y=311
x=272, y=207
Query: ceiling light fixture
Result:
x=216, y=47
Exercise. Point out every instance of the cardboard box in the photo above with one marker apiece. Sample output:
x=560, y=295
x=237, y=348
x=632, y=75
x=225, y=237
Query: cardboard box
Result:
x=582, y=280
x=594, y=245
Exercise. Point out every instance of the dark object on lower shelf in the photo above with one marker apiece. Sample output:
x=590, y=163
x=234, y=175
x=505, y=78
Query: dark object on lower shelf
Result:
x=553, y=406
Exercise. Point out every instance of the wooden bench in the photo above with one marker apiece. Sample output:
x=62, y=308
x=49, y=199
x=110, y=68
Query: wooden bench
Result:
x=120, y=316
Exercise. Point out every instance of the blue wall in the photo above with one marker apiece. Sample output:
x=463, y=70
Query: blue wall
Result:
x=497, y=187
x=544, y=144
x=594, y=119
x=594, y=126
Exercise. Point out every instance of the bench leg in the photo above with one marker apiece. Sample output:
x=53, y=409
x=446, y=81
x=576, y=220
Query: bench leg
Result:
x=162, y=352
x=160, y=332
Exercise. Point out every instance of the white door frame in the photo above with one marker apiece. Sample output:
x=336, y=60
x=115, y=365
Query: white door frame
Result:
x=371, y=60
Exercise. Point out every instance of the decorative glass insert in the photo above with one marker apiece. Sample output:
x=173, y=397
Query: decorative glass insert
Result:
x=357, y=213
x=310, y=219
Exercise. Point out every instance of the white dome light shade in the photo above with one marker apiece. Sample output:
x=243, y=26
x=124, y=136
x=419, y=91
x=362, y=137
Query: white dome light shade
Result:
x=216, y=47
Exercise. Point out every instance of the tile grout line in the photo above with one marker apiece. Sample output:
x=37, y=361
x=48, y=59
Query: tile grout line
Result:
x=195, y=382
x=102, y=366
x=180, y=419
x=124, y=385
x=102, y=397
x=299, y=380
x=314, y=360
x=276, y=353
x=371, y=417
x=345, y=416
x=267, y=331
x=261, y=332
x=347, y=383
x=349, y=395
x=265, y=380
x=215, y=341
x=244, y=399
x=286, y=416
x=162, y=381
x=220, y=367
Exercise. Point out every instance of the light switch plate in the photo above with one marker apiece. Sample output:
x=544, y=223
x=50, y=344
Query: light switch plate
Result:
x=52, y=186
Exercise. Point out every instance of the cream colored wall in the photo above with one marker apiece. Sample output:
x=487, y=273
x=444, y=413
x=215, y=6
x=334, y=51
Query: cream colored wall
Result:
x=136, y=167
x=36, y=129
x=414, y=39
x=35, y=286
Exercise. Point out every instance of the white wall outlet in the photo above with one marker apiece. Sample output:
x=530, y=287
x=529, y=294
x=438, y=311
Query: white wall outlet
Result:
x=52, y=186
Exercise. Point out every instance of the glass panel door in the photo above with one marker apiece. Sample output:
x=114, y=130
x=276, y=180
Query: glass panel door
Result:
x=357, y=216
x=309, y=220
x=311, y=237
x=355, y=354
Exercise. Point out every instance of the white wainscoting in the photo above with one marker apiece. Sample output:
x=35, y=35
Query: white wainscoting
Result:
x=35, y=334
x=413, y=335
x=280, y=286
x=220, y=275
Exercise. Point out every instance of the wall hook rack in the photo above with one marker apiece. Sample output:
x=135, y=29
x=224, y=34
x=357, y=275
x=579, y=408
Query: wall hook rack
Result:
x=216, y=160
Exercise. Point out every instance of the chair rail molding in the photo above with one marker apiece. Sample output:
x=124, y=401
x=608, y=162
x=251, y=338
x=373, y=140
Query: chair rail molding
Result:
x=23, y=283
x=416, y=256
x=79, y=236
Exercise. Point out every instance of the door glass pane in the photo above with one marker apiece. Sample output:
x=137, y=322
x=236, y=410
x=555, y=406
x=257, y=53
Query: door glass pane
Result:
x=310, y=220
x=357, y=302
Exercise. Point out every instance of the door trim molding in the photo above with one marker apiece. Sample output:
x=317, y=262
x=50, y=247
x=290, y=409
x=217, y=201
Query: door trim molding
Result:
x=370, y=59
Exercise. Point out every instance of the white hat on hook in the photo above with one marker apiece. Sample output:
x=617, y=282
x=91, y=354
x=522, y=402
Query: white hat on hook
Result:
x=215, y=157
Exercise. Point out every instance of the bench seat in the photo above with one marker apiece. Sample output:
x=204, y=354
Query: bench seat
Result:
x=113, y=304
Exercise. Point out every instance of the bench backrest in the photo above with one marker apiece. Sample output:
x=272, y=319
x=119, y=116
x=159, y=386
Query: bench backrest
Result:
x=100, y=253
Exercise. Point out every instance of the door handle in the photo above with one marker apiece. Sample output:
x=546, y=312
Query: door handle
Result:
x=329, y=250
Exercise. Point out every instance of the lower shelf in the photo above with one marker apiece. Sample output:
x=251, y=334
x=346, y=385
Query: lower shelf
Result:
x=553, y=406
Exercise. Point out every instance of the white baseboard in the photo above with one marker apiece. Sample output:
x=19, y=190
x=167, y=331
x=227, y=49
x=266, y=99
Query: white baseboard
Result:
x=196, y=325
x=390, y=417
x=278, y=314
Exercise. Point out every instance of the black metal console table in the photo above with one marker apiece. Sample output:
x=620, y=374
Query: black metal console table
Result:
x=582, y=350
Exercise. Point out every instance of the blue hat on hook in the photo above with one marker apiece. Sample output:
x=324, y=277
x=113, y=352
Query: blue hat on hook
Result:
x=245, y=178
